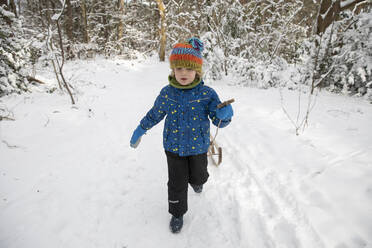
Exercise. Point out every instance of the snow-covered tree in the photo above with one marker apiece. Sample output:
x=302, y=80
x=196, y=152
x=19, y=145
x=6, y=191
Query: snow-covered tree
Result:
x=245, y=34
x=14, y=54
x=141, y=32
x=342, y=48
x=252, y=40
x=348, y=56
x=185, y=19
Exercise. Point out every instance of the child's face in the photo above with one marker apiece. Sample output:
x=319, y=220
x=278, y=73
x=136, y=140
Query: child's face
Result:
x=184, y=76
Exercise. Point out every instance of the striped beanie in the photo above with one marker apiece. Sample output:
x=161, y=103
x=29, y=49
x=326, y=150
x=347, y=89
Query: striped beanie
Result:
x=187, y=55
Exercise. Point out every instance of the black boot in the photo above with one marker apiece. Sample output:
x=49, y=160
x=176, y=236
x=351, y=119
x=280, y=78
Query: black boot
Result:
x=197, y=188
x=176, y=224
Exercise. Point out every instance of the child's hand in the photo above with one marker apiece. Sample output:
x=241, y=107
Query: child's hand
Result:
x=225, y=113
x=136, y=137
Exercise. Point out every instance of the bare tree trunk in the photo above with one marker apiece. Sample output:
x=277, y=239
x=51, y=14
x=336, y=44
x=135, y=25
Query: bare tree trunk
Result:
x=328, y=13
x=121, y=24
x=85, y=20
x=209, y=4
x=57, y=76
x=43, y=14
x=330, y=10
x=162, y=30
x=63, y=61
x=69, y=22
x=49, y=44
x=56, y=60
x=13, y=7
x=106, y=29
x=19, y=8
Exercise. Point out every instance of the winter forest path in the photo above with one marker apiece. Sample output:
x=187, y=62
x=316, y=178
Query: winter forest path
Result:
x=68, y=177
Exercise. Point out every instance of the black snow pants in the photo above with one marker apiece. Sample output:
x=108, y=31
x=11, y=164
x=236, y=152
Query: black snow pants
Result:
x=181, y=172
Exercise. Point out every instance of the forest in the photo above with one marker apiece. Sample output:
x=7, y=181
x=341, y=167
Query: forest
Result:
x=77, y=78
x=320, y=44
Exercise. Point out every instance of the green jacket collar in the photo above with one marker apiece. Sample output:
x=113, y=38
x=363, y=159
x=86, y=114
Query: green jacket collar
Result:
x=174, y=83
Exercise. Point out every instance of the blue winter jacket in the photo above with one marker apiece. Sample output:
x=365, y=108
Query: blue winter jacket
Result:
x=187, y=127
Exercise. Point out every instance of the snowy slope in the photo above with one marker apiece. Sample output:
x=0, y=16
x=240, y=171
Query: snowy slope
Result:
x=68, y=177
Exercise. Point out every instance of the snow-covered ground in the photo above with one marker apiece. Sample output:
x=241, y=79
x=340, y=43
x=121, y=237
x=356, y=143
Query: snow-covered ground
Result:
x=68, y=177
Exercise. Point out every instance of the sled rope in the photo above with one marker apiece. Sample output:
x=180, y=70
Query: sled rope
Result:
x=221, y=105
x=214, y=138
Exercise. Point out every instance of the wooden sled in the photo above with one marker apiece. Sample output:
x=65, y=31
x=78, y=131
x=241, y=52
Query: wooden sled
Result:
x=215, y=152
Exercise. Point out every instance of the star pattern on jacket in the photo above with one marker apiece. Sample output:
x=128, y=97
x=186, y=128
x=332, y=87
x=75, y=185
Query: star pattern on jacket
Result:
x=188, y=113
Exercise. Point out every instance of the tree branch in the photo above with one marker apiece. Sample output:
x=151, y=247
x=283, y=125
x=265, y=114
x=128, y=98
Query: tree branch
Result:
x=349, y=5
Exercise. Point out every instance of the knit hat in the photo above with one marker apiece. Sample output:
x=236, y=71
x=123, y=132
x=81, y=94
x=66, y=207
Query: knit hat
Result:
x=187, y=55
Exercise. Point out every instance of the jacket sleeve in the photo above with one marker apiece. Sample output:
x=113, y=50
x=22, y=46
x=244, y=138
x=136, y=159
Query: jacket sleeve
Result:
x=215, y=100
x=156, y=113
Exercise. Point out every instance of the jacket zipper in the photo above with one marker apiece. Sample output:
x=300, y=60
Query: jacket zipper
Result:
x=198, y=100
x=172, y=100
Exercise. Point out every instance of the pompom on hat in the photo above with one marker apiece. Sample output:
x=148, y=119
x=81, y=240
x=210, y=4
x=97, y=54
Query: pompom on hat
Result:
x=187, y=55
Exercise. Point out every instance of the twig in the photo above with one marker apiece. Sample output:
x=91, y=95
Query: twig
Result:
x=8, y=114
x=285, y=111
x=9, y=146
x=225, y=103
x=46, y=124
x=6, y=118
x=309, y=109
x=323, y=76
x=32, y=79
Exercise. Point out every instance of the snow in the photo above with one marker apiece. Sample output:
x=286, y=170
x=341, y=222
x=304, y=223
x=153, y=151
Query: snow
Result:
x=68, y=177
x=346, y=3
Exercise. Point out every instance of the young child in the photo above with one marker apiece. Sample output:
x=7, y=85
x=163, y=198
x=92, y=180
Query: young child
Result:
x=187, y=103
